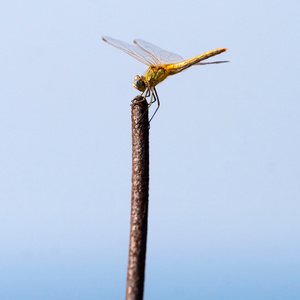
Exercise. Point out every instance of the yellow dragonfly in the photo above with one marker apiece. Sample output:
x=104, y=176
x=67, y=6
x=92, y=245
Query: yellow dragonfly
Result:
x=161, y=64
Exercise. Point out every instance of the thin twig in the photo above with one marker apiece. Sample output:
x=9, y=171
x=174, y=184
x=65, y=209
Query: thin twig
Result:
x=139, y=200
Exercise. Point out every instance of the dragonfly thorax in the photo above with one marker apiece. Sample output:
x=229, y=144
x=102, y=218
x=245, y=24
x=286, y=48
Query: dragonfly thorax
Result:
x=139, y=83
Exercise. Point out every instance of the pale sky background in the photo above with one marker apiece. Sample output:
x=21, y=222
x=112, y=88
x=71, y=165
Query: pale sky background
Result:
x=224, y=151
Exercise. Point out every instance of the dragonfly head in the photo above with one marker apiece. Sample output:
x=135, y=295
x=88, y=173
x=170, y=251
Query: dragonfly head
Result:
x=139, y=83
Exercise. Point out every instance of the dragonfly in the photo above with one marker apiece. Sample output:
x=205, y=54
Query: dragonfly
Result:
x=161, y=64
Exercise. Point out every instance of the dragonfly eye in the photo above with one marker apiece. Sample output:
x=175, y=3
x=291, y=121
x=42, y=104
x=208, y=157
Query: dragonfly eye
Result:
x=139, y=83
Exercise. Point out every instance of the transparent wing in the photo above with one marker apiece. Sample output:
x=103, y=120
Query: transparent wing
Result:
x=160, y=56
x=132, y=50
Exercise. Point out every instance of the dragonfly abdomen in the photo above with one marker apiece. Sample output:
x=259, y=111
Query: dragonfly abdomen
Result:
x=178, y=67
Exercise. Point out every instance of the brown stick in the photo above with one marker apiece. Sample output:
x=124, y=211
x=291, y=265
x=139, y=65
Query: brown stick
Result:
x=139, y=200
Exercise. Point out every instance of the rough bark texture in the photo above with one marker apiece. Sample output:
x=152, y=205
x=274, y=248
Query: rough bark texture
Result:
x=139, y=200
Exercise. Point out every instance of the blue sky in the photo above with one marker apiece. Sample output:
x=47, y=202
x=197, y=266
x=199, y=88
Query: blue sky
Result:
x=224, y=151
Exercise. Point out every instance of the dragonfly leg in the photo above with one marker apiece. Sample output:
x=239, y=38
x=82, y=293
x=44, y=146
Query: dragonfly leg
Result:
x=154, y=93
x=153, y=98
x=149, y=92
x=143, y=99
